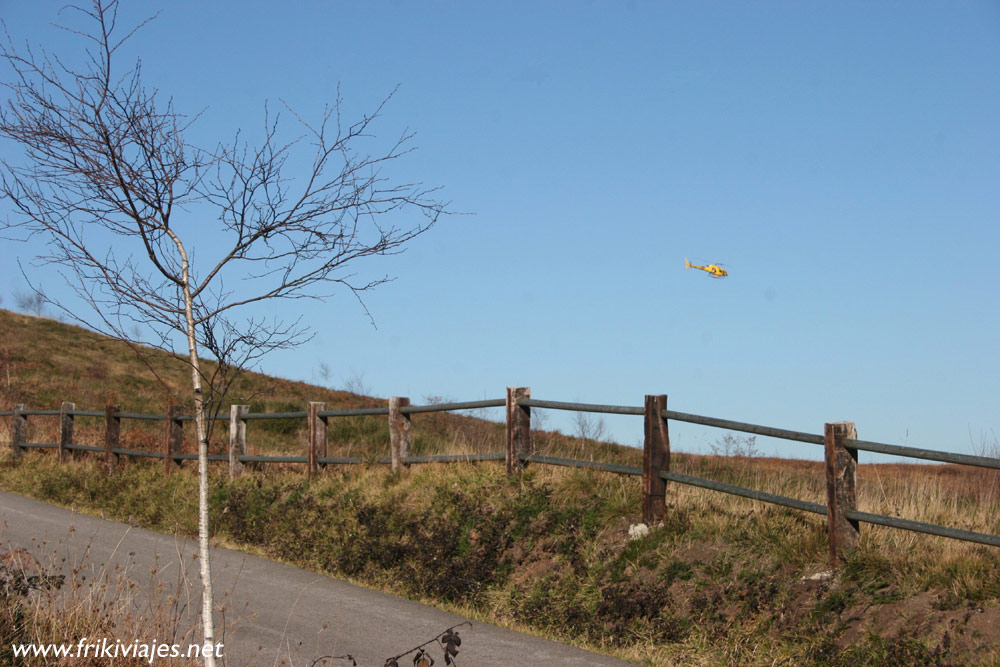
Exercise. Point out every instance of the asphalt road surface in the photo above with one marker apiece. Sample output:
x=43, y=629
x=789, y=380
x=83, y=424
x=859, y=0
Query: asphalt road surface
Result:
x=275, y=614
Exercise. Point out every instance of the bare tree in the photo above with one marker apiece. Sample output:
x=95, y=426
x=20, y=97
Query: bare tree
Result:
x=325, y=373
x=731, y=444
x=123, y=200
x=589, y=427
x=31, y=301
x=355, y=384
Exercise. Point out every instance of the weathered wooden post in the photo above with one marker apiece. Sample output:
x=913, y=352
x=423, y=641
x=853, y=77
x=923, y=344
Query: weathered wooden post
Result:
x=112, y=437
x=18, y=431
x=655, y=457
x=317, y=437
x=173, y=439
x=518, y=428
x=65, y=429
x=400, y=437
x=841, y=489
x=237, y=438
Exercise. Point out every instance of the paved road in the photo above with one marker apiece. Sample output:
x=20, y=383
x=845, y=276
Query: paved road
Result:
x=276, y=614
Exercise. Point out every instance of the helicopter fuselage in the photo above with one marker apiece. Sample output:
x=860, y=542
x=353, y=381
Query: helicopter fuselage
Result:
x=713, y=270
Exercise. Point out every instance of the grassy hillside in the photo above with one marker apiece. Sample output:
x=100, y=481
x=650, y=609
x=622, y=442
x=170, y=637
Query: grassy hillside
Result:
x=723, y=581
x=44, y=362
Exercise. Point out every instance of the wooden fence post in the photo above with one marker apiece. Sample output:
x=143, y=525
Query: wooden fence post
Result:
x=65, y=429
x=655, y=457
x=237, y=438
x=841, y=489
x=400, y=437
x=317, y=437
x=18, y=431
x=518, y=428
x=173, y=439
x=112, y=437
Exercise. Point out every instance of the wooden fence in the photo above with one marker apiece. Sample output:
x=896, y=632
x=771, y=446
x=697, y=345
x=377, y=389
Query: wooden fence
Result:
x=839, y=440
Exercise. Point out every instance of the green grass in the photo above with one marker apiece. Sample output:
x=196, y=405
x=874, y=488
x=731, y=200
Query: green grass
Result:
x=549, y=551
x=722, y=581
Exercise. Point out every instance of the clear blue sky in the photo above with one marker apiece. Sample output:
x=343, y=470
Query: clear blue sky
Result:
x=842, y=160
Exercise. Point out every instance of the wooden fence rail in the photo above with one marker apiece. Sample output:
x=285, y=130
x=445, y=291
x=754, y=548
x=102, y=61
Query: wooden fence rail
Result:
x=839, y=440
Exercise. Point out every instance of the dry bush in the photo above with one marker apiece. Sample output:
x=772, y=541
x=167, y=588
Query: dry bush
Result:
x=67, y=603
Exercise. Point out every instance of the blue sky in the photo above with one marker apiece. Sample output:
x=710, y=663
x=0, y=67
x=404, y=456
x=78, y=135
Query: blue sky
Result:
x=840, y=158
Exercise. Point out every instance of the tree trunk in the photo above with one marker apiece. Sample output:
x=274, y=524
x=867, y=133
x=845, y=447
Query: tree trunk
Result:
x=208, y=625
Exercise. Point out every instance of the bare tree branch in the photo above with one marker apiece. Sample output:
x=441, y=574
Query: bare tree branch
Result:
x=130, y=213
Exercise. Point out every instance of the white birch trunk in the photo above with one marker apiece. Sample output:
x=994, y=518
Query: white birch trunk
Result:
x=208, y=624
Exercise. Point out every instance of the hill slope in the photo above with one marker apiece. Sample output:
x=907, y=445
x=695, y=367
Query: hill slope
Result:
x=44, y=362
x=723, y=581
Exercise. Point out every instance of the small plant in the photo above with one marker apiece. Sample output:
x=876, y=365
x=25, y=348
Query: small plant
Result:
x=32, y=302
x=16, y=582
x=589, y=427
x=448, y=640
x=355, y=384
x=325, y=373
x=15, y=585
x=731, y=444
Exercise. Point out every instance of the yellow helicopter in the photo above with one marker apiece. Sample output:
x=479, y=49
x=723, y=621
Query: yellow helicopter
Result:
x=713, y=270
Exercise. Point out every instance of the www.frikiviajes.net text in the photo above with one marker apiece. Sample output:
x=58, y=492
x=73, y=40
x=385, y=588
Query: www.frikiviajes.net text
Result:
x=91, y=648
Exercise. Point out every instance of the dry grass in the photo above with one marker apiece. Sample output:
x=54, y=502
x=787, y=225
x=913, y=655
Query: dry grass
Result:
x=732, y=568
x=563, y=535
x=73, y=601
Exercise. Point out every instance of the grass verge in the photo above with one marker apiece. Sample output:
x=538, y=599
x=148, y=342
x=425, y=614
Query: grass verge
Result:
x=722, y=581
